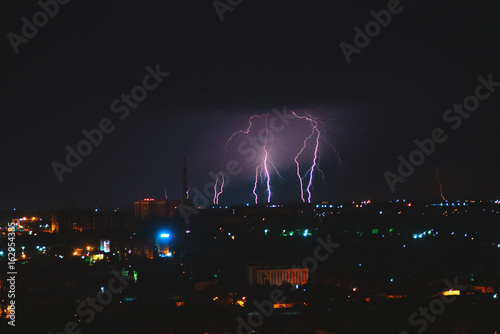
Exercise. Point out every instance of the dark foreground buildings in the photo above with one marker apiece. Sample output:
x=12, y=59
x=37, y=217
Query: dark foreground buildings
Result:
x=324, y=268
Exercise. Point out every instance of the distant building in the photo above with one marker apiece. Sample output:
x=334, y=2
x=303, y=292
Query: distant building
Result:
x=277, y=277
x=162, y=244
x=151, y=208
x=87, y=219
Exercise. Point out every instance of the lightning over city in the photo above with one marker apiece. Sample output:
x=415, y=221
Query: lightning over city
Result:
x=234, y=166
x=270, y=144
x=315, y=132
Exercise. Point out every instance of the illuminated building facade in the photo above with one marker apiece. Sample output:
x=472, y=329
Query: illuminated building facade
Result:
x=150, y=208
x=277, y=277
x=163, y=240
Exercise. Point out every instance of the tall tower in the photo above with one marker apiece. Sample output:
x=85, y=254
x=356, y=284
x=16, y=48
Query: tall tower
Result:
x=184, y=181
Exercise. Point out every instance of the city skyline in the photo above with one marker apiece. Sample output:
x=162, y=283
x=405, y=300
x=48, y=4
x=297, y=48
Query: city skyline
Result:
x=235, y=166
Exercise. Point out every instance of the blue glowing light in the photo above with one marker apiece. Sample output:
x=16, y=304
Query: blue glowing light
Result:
x=165, y=235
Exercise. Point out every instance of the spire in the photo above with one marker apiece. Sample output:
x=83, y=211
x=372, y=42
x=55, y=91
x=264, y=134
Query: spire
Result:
x=184, y=181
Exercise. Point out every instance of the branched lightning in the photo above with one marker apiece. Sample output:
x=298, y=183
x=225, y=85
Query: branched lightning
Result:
x=440, y=185
x=262, y=170
x=216, y=197
x=217, y=193
x=221, y=187
x=298, y=166
x=310, y=145
x=268, y=178
x=246, y=132
x=316, y=134
x=255, y=184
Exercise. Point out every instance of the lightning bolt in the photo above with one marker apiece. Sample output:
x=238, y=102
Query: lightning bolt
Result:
x=221, y=187
x=316, y=147
x=440, y=185
x=255, y=184
x=216, y=192
x=262, y=170
x=314, y=133
x=298, y=165
x=268, y=178
x=246, y=132
x=166, y=197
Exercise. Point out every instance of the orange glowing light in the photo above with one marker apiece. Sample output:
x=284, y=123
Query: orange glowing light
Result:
x=283, y=305
x=451, y=293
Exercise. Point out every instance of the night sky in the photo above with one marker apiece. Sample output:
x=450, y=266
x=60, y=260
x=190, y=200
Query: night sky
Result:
x=263, y=55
